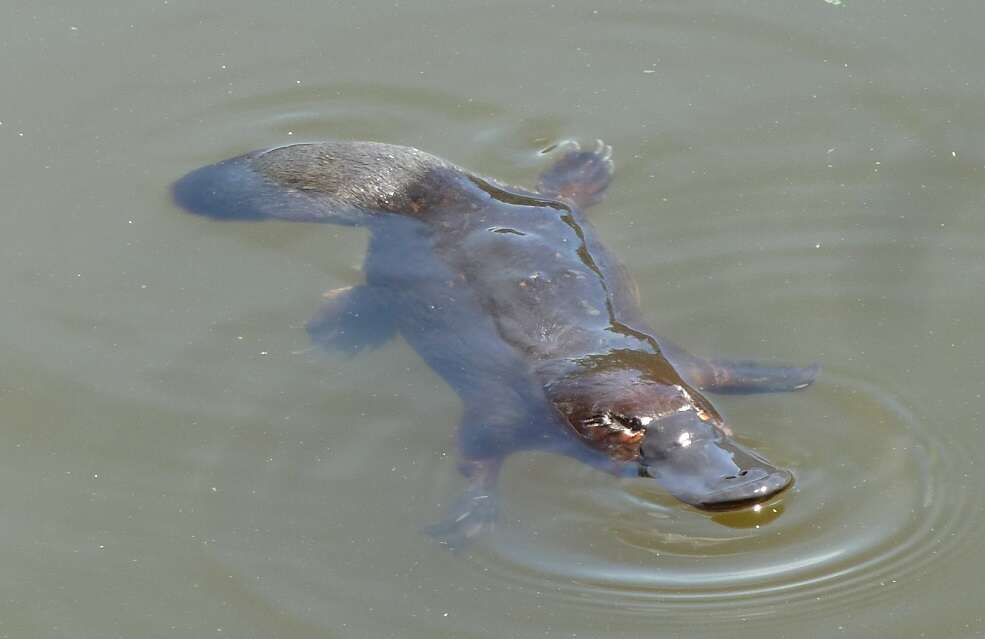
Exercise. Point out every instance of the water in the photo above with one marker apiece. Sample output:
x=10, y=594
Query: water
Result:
x=798, y=181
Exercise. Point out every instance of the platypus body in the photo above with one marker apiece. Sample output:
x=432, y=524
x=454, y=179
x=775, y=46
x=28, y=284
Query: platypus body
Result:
x=508, y=294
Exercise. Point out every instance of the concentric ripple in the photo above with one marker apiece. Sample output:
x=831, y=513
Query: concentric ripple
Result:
x=872, y=505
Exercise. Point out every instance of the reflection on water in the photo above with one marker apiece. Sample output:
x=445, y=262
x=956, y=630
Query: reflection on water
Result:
x=758, y=515
x=840, y=533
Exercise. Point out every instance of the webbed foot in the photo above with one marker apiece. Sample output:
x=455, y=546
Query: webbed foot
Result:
x=471, y=516
x=475, y=511
x=352, y=319
x=579, y=177
x=739, y=377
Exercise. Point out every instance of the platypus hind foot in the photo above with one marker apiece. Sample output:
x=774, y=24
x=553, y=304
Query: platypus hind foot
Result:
x=351, y=320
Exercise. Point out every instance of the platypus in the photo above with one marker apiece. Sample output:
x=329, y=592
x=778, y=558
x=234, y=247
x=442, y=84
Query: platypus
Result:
x=508, y=294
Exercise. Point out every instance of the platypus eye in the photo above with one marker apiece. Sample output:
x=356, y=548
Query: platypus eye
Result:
x=597, y=421
x=632, y=423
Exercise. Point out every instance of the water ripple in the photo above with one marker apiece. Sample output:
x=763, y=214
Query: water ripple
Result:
x=873, y=505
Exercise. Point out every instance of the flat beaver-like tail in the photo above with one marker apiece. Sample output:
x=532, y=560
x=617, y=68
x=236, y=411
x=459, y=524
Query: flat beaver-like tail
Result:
x=339, y=182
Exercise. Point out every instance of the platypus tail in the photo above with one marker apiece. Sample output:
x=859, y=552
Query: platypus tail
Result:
x=340, y=182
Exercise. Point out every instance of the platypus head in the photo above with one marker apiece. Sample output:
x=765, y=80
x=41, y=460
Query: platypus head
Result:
x=672, y=433
x=700, y=465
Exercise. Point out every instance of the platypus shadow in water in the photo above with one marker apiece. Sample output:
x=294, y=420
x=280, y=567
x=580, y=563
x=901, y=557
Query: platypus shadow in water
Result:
x=508, y=294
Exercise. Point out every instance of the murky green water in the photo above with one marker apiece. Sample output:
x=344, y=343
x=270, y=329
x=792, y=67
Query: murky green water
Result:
x=800, y=181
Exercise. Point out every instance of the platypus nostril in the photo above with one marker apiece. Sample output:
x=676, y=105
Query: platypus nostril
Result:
x=744, y=488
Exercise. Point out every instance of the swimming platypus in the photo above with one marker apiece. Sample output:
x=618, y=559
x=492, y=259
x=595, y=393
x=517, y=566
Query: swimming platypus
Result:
x=508, y=294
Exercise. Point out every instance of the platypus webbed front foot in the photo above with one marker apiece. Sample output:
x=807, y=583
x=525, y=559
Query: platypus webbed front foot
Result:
x=740, y=377
x=579, y=177
x=471, y=516
x=475, y=511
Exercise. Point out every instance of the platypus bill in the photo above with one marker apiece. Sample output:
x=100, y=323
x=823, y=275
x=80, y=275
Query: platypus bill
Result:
x=508, y=294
